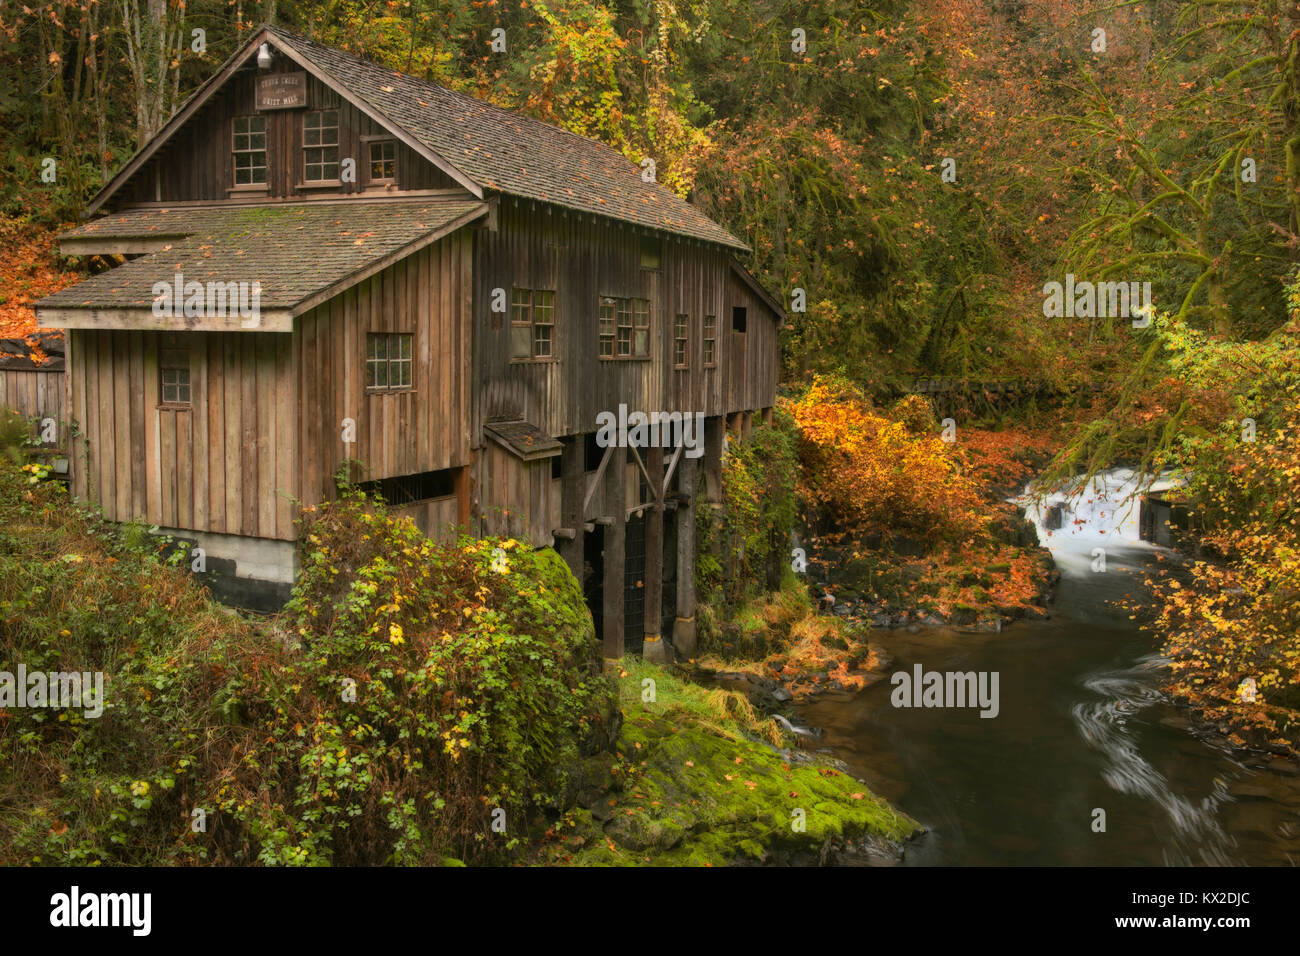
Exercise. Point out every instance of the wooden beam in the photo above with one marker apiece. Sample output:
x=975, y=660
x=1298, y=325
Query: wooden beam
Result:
x=595, y=480
x=460, y=485
x=572, y=507
x=654, y=564
x=654, y=485
x=672, y=467
x=143, y=319
x=684, y=642
x=615, y=553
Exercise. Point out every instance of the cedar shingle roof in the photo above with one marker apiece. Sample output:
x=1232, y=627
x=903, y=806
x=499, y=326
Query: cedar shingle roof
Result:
x=513, y=153
x=294, y=251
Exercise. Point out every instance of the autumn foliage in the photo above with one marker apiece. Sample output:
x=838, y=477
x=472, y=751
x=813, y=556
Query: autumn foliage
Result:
x=877, y=474
x=1232, y=628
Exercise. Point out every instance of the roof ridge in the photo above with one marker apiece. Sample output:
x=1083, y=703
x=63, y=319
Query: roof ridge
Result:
x=506, y=112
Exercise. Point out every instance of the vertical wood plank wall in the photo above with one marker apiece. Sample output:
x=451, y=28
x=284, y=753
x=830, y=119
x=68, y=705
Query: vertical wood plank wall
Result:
x=581, y=260
x=425, y=428
x=34, y=393
x=225, y=464
x=196, y=163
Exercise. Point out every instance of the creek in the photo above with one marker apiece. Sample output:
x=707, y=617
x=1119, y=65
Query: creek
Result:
x=1082, y=726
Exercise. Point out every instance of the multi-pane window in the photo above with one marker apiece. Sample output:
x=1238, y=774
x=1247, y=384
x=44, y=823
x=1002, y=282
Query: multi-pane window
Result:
x=174, y=372
x=532, y=323
x=641, y=331
x=608, y=306
x=624, y=328
x=320, y=145
x=710, y=340
x=388, y=360
x=383, y=161
x=249, y=148
x=679, y=341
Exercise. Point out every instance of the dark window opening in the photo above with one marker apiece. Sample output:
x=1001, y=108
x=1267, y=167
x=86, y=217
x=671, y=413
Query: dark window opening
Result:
x=739, y=318
x=592, y=453
x=411, y=489
x=651, y=252
x=557, y=468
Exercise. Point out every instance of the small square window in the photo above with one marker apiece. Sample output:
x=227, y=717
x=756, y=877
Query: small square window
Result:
x=388, y=360
x=383, y=161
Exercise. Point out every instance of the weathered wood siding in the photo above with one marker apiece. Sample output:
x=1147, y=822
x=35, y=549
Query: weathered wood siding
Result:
x=224, y=464
x=424, y=428
x=435, y=517
x=515, y=496
x=197, y=164
x=35, y=393
x=536, y=246
x=753, y=365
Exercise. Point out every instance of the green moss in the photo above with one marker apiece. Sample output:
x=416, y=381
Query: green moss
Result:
x=691, y=790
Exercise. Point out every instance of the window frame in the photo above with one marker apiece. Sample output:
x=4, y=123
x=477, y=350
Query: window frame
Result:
x=682, y=341
x=322, y=147
x=236, y=152
x=389, y=360
x=525, y=303
x=710, y=340
x=370, y=142
x=174, y=356
x=630, y=330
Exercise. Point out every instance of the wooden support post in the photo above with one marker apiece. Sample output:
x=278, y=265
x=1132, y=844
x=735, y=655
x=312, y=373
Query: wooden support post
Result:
x=571, y=497
x=653, y=648
x=684, y=626
x=712, y=460
x=746, y=422
x=767, y=415
x=460, y=485
x=615, y=554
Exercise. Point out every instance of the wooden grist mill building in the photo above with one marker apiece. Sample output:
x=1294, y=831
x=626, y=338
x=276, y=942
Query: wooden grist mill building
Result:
x=329, y=261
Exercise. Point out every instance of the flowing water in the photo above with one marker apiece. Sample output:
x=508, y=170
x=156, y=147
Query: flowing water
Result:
x=1081, y=727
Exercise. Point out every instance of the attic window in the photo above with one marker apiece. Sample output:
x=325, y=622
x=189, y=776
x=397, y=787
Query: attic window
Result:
x=383, y=161
x=249, y=148
x=320, y=146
